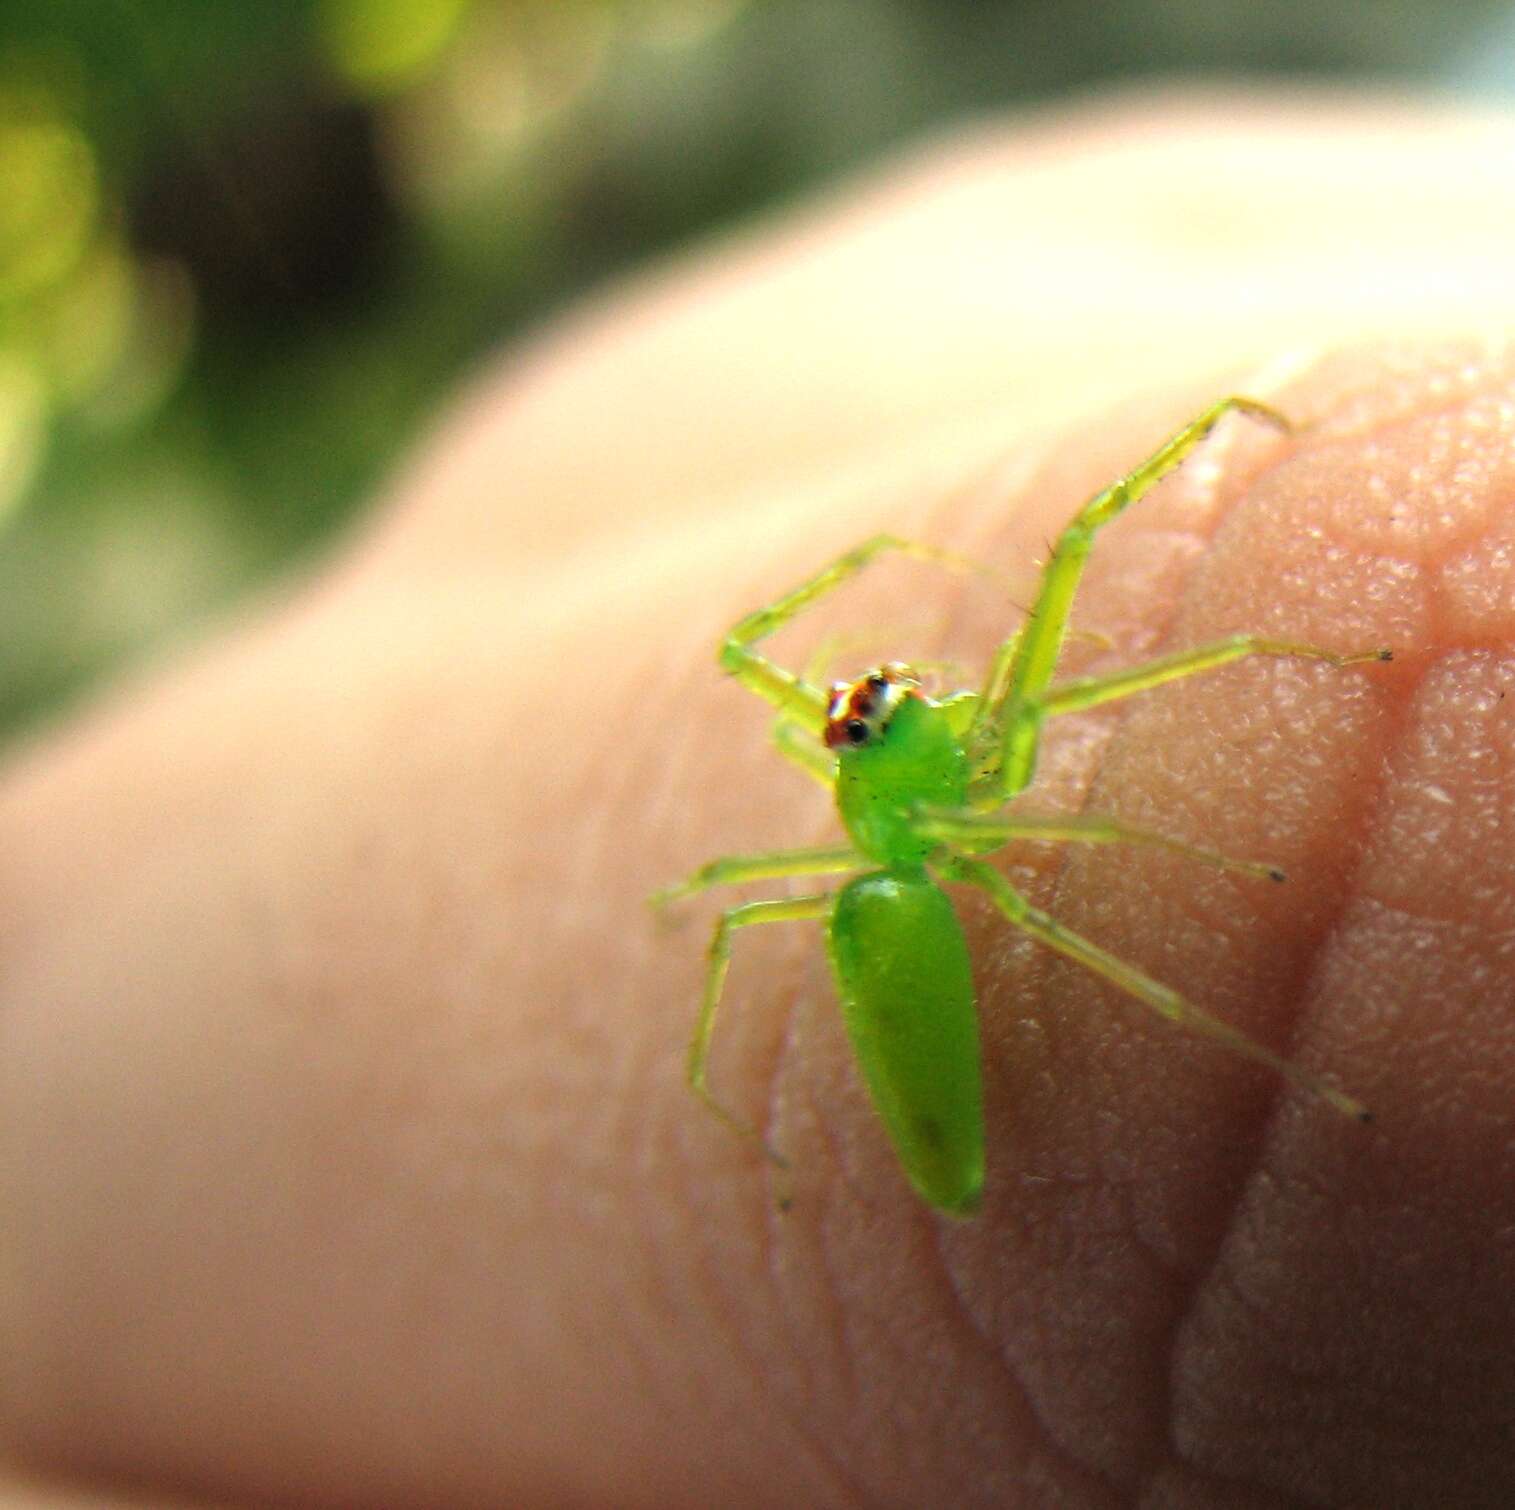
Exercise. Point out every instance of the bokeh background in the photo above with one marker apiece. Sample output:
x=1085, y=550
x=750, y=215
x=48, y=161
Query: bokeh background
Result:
x=246, y=249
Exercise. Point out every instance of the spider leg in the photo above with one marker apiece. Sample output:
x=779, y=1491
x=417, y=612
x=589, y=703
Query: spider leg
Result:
x=1162, y=999
x=732, y=870
x=800, y=747
x=978, y=833
x=794, y=697
x=749, y=914
x=1012, y=710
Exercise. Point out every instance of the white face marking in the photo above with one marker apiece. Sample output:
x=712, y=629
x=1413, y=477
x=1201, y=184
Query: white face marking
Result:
x=860, y=711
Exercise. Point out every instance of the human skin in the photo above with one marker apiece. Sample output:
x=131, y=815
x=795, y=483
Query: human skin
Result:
x=345, y=1154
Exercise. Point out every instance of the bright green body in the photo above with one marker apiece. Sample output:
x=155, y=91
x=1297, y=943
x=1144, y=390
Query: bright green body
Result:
x=882, y=785
x=916, y=784
x=902, y=972
x=900, y=959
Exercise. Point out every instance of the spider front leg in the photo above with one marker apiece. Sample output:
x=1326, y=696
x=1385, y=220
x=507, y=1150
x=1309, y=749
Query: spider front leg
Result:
x=1011, y=711
x=796, y=699
x=799, y=747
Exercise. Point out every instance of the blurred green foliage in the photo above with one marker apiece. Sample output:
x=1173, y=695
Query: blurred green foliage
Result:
x=245, y=249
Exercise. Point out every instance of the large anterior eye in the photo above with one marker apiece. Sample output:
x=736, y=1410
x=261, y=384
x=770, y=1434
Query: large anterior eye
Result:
x=860, y=711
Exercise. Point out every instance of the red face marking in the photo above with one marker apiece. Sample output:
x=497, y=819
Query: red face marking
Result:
x=860, y=711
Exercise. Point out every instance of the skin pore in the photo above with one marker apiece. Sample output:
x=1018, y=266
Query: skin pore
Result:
x=345, y=1153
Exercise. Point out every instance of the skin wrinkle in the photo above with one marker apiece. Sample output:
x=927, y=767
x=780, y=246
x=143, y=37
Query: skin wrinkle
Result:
x=843, y=1316
x=848, y=1481
x=1305, y=993
x=1054, y=1449
x=842, y=1353
x=723, y=1311
x=1048, y=967
x=846, y=1197
x=1390, y=1426
x=709, y=1298
x=1003, y=1365
x=641, y=1344
x=775, y=1076
x=1046, y=1447
x=1184, y=1485
x=861, y=1319
x=829, y=1463
x=1428, y=915
x=1060, y=867
x=1179, y=1463
x=1225, y=490
x=1372, y=819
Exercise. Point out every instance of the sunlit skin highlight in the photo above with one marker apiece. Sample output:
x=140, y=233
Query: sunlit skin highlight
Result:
x=921, y=786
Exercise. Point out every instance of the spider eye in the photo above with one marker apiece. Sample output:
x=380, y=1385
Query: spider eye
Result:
x=856, y=730
x=877, y=683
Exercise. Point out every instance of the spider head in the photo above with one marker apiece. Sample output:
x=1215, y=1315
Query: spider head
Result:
x=860, y=711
